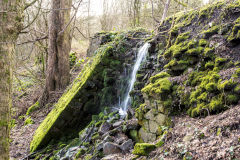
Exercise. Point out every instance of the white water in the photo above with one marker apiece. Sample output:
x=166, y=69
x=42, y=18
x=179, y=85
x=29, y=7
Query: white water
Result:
x=140, y=57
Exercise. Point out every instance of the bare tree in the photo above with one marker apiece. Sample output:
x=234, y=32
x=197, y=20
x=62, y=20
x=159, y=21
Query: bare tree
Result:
x=58, y=69
x=10, y=14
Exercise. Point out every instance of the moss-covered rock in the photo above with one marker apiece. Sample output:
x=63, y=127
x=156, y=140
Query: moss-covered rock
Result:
x=143, y=149
x=96, y=87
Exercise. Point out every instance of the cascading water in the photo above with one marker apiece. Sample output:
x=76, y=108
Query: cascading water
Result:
x=140, y=57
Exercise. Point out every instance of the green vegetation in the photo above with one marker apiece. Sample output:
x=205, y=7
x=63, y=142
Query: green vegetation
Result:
x=33, y=108
x=28, y=121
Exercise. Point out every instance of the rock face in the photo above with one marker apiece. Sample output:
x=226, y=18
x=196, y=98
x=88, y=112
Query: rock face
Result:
x=192, y=67
x=99, y=84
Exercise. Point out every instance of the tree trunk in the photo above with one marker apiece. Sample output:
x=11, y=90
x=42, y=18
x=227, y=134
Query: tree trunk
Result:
x=165, y=10
x=10, y=25
x=136, y=12
x=58, y=67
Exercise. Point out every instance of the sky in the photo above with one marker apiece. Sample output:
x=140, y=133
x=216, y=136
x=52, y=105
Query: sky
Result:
x=97, y=7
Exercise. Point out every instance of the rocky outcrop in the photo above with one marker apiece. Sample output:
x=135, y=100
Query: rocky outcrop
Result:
x=99, y=86
x=192, y=68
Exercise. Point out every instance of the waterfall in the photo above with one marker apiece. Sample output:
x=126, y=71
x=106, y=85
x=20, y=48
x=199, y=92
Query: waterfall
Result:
x=140, y=57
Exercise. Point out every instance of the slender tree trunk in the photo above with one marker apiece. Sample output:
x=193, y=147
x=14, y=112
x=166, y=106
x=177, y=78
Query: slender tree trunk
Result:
x=58, y=75
x=10, y=25
x=88, y=22
x=165, y=10
x=136, y=12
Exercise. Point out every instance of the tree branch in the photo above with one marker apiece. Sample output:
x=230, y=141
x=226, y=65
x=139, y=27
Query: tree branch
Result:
x=29, y=4
x=35, y=40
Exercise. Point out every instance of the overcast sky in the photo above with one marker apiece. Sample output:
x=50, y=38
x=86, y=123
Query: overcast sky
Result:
x=96, y=6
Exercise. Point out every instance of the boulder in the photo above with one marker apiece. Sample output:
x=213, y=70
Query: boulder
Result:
x=149, y=115
x=161, y=119
x=153, y=127
x=111, y=148
x=146, y=136
x=127, y=145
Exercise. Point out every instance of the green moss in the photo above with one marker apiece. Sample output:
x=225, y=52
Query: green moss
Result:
x=211, y=87
x=192, y=44
x=210, y=32
x=182, y=37
x=195, y=51
x=98, y=124
x=158, y=76
x=209, y=65
x=232, y=99
x=28, y=121
x=134, y=135
x=72, y=59
x=175, y=65
x=161, y=86
x=216, y=104
x=140, y=111
x=226, y=85
x=237, y=89
x=203, y=42
x=203, y=97
x=235, y=33
x=143, y=148
x=176, y=50
x=237, y=72
x=32, y=108
x=209, y=53
x=220, y=61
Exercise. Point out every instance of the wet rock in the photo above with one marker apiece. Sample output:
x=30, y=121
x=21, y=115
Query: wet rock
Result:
x=105, y=127
x=132, y=124
x=117, y=124
x=127, y=146
x=111, y=148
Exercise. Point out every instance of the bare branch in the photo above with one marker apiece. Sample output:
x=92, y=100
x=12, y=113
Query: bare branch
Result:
x=33, y=41
x=29, y=4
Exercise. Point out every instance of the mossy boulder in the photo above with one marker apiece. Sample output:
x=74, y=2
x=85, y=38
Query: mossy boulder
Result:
x=143, y=149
